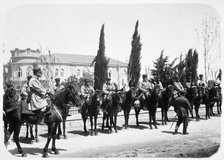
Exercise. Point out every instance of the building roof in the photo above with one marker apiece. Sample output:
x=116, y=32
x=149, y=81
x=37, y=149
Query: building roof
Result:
x=78, y=59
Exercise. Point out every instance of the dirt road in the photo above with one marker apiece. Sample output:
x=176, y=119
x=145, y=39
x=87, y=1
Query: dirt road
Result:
x=203, y=140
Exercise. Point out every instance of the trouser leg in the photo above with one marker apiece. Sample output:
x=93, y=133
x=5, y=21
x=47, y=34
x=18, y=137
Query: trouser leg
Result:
x=178, y=123
x=185, y=124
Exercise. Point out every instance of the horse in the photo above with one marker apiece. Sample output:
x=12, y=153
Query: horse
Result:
x=191, y=95
x=53, y=117
x=152, y=104
x=207, y=96
x=91, y=109
x=111, y=109
x=165, y=99
x=128, y=101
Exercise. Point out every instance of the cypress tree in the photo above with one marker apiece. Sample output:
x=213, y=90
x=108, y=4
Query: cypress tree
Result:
x=101, y=63
x=134, y=64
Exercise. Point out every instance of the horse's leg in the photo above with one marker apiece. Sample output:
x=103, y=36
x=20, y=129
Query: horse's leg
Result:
x=27, y=130
x=36, y=133
x=192, y=108
x=84, y=122
x=115, y=122
x=64, y=126
x=59, y=130
x=95, y=123
x=51, y=128
x=91, y=124
x=17, y=128
x=31, y=132
x=163, y=115
x=107, y=122
x=154, y=118
x=111, y=122
x=137, y=110
x=150, y=118
x=196, y=112
x=54, y=138
x=125, y=121
x=104, y=115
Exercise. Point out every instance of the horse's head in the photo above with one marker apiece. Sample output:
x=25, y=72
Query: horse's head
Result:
x=117, y=98
x=97, y=97
x=73, y=94
x=194, y=90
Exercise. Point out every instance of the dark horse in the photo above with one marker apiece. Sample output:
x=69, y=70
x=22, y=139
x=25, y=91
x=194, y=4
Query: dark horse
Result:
x=207, y=97
x=128, y=101
x=91, y=109
x=192, y=96
x=165, y=100
x=53, y=117
x=111, y=109
x=152, y=104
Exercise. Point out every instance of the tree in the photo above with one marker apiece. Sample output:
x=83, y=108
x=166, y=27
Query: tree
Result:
x=209, y=43
x=163, y=70
x=191, y=63
x=101, y=63
x=134, y=64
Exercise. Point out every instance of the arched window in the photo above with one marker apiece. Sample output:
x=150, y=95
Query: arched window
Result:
x=62, y=72
x=20, y=72
x=29, y=70
x=109, y=74
x=56, y=72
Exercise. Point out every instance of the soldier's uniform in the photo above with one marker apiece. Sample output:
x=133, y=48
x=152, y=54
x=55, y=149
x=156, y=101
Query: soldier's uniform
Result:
x=145, y=86
x=38, y=92
x=58, y=86
x=181, y=107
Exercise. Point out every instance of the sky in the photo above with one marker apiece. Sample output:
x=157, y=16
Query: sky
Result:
x=75, y=29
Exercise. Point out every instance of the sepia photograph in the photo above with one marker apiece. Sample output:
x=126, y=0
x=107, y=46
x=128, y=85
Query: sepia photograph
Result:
x=122, y=79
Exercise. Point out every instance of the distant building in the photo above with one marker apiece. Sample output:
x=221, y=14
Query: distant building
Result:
x=58, y=65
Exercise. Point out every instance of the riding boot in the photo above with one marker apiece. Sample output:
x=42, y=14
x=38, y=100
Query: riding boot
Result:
x=40, y=117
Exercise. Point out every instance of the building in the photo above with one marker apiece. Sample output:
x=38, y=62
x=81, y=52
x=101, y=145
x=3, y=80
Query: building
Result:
x=58, y=65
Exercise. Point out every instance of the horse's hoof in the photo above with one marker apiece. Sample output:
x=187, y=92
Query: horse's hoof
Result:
x=37, y=140
x=56, y=151
x=115, y=131
x=24, y=155
x=45, y=155
x=156, y=127
x=58, y=137
x=65, y=137
x=96, y=133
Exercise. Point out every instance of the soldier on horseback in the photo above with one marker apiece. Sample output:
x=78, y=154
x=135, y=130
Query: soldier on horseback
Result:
x=38, y=95
x=145, y=86
x=201, y=82
x=177, y=87
x=86, y=91
x=58, y=86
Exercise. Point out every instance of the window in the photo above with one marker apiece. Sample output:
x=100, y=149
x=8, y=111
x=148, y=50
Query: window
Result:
x=62, y=72
x=20, y=72
x=29, y=71
x=56, y=72
x=78, y=72
x=109, y=74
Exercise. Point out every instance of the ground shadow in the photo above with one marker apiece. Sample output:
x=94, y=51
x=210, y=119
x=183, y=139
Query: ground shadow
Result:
x=171, y=132
x=81, y=133
x=141, y=127
x=32, y=151
x=26, y=140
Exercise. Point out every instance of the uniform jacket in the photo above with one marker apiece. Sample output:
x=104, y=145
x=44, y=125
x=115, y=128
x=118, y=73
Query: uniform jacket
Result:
x=107, y=87
x=182, y=106
x=58, y=87
x=38, y=92
x=86, y=91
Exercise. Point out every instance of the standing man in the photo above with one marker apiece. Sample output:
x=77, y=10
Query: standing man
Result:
x=38, y=94
x=181, y=107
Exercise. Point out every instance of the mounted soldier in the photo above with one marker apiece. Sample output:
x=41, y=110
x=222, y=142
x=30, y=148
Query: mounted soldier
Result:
x=201, y=82
x=58, y=86
x=145, y=86
x=177, y=86
x=38, y=95
x=86, y=90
